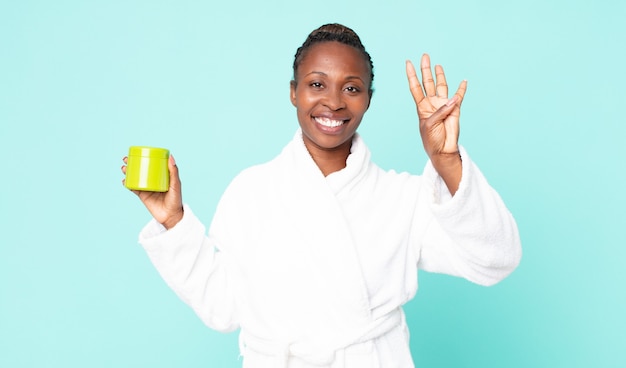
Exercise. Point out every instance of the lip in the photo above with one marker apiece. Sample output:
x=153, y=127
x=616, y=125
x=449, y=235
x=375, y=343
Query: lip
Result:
x=330, y=115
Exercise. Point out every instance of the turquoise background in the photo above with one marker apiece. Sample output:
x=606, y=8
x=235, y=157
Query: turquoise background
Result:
x=81, y=81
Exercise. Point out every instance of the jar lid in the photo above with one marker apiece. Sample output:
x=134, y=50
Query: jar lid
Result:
x=145, y=151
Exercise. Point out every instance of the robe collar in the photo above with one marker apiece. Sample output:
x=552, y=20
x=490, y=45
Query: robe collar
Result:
x=356, y=164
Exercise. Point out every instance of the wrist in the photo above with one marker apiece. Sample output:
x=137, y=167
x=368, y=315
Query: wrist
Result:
x=174, y=219
x=447, y=159
x=449, y=166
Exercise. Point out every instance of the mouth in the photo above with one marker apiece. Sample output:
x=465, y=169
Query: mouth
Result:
x=329, y=123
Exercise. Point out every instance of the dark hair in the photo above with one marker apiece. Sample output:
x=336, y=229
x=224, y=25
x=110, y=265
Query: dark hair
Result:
x=333, y=32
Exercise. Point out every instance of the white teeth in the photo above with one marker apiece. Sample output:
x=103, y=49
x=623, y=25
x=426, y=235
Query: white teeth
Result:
x=328, y=122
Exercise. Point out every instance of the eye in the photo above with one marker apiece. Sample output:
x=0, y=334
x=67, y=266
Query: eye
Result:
x=316, y=85
x=353, y=89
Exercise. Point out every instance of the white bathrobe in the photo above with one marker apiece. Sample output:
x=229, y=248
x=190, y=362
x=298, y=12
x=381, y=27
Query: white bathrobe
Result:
x=315, y=270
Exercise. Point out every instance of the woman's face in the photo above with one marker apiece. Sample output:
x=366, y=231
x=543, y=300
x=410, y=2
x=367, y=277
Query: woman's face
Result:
x=331, y=94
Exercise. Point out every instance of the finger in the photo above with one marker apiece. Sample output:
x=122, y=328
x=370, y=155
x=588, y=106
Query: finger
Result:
x=174, y=177
x=427, y=77
x=124, y=169
x=171, y=164
x=414, y=83
x=132, y=190
x=442, y=85
x=439, y=116
x=125, y=159
x=460, y=92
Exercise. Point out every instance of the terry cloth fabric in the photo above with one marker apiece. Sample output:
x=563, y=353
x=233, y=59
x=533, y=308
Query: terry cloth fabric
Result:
x=315, y=270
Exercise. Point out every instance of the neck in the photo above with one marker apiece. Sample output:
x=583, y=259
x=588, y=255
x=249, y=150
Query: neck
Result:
x=329, y=160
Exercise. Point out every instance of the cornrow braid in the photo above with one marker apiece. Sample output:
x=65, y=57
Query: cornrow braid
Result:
x=333, y=32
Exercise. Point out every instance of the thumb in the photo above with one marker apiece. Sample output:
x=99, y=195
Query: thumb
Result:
x=173, y=168
x=441, y=113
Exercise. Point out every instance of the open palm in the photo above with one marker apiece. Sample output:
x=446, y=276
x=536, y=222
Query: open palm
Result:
x=438, y=115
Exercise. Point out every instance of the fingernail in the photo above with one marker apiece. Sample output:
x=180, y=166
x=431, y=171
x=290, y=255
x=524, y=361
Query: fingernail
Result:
x=452, y=101
x=173, y=159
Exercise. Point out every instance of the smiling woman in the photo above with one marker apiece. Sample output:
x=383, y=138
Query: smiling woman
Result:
x=331, y=93
x=313, y=254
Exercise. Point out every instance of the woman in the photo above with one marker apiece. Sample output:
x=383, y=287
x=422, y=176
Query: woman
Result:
x=313, y=254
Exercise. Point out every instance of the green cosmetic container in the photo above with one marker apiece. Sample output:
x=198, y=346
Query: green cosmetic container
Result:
x=147, y=169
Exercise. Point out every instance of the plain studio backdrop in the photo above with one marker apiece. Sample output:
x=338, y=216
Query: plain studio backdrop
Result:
x=81, y=81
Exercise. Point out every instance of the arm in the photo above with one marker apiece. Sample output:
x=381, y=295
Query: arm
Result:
x=193, y=267
x=471, y=235
x=185, y=257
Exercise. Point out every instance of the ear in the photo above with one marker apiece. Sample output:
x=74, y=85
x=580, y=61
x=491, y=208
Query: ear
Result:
x=292, y=92
x=369, y=100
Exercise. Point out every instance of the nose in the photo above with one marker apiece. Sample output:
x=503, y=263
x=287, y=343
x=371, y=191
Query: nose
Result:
x=334, y=99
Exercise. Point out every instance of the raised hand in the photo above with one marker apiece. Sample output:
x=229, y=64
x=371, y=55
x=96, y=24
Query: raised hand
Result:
x=166, y=207
x=438, y=118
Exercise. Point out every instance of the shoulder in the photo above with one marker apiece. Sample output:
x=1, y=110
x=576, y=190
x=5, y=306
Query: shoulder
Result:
x=395, y=179
x=363, y=163
x=252, y=180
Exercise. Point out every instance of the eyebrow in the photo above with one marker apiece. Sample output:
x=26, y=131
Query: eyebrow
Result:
x=350, y=77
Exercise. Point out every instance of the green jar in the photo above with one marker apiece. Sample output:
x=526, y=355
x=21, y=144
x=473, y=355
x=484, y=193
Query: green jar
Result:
x=147, y=169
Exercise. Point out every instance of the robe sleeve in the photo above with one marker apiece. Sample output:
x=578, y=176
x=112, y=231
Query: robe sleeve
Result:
x=472, y=234
x=194, y=268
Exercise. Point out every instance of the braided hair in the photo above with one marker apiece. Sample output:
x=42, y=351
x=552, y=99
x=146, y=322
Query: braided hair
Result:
x=333, y=32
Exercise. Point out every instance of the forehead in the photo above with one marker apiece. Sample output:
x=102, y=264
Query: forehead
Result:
x=333, y=56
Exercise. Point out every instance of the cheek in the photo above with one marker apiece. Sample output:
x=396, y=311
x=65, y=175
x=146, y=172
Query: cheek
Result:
x=305, y=101
x=361, y=105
